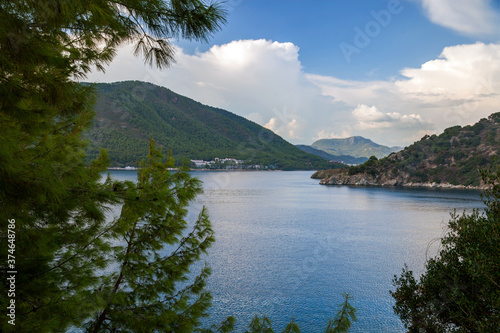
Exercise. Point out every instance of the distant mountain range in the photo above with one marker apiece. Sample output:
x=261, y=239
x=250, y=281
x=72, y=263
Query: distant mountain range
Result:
x=346, y=159
x=353, y=150
x=450, y=159
x=130, y=113
x=355, y=146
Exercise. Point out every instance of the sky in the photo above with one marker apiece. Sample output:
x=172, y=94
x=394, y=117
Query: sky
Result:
x=388, y=70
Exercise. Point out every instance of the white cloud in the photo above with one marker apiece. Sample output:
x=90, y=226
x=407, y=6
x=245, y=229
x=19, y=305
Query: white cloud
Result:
x=264, y=81
x=284, y=129
x=461, y=72
x=476, y=17
x=271, y=124
x=292, y=128
x=257, y=79
x=369, y=117
x=352, y=93
x=332, y=135
x=458, y=88
x=246, y=75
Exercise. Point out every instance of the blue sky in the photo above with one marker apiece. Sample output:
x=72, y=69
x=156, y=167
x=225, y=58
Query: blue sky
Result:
x=319, y=27
x=388, y=70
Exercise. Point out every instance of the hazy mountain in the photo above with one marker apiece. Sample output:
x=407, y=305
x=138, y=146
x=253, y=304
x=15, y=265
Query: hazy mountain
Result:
x=452, y=158
x=355, y=146
x=130, y=113
x=329, y=157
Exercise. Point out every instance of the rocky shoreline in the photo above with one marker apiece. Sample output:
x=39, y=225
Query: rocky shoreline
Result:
x=342, y=177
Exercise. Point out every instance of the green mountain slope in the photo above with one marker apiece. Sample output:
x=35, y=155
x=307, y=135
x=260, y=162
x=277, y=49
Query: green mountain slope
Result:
x=453, y=158
x=130, y=113
x=329, y=157
x=355, y=146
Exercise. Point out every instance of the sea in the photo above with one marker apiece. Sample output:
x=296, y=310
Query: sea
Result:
x=289, y=248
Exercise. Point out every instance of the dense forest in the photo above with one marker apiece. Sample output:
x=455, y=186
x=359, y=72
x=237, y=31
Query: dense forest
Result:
x=130, y=113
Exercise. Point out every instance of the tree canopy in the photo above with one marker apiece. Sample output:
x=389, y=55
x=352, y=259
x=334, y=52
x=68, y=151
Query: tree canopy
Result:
x=59, y=203
x=154, y=255
x=73, y=266
x=460, y=288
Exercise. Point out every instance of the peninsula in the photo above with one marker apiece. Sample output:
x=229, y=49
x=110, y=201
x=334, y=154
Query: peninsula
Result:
x=452, y=159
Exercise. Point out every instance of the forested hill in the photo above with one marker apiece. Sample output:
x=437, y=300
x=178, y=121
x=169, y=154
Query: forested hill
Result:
x=452, y=158
x=130, y=113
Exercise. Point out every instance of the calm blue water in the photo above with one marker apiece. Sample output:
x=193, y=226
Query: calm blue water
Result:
x=288, y=248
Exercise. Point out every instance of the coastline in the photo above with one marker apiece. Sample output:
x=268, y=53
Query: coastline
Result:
x=204, y=170
x=342, y=178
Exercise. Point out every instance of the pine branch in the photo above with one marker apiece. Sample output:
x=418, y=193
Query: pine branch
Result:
x=78, y=252
x=102, y=317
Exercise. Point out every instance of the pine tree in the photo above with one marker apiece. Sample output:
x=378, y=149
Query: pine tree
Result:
x=342, y=321
x=65, y=250
x=154, y=256
x=344, y=317
x=57, y=202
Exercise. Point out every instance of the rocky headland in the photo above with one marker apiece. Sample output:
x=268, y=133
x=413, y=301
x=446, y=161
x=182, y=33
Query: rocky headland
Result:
x=342, y=177
x=452, y=159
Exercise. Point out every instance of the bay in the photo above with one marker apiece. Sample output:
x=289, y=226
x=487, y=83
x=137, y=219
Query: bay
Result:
x=287, y=247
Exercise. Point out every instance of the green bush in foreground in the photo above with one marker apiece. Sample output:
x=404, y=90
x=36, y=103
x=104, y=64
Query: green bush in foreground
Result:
x=460, y=289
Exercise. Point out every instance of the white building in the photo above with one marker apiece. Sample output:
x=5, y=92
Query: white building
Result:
x=200, y=163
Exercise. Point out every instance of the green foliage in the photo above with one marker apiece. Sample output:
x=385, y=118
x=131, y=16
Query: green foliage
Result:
x=452, y=131
x=344, y=318
x=74, y=268
x=460, y=290
x=260, y=325
x=371, y=161
x=453, y=157
x=356, y=169
x=130, y=113
x=154, y=256
x=58, y=202
x=491, y=136
x=342, y=321
x=292, y=327
x=369, y=167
